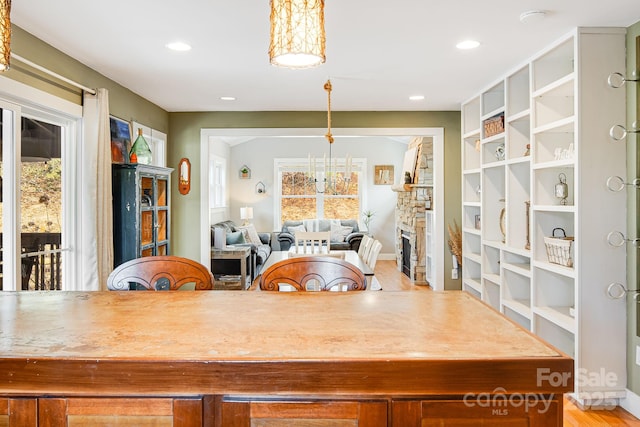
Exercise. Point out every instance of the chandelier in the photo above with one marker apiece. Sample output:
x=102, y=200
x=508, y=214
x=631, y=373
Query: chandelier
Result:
x=297, y=33
x=330, y=182
x=5, y=34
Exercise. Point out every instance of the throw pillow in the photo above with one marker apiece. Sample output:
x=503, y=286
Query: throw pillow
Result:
x=250, y=234
x=293, y=228
x=235, y=238
x=340, y=232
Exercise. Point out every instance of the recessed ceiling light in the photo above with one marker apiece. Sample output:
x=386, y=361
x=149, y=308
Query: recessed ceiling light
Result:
x=532, y=16
x=416, y=97
x=468, y=44
x=228, y=98
x=178, y=46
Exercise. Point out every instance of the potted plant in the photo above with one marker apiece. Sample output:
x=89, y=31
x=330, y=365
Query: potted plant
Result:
x=367, y=216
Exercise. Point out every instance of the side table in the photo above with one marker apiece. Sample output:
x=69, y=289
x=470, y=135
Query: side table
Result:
x=231, y=268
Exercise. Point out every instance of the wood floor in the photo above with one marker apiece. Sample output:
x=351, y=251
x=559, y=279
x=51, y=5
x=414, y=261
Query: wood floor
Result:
x=392, y=280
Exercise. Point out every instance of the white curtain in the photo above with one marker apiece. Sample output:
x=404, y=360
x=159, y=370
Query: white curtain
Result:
x=95, y=208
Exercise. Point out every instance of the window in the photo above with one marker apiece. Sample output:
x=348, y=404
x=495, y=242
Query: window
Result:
x=156, y=140
x=318, y=189
x=217, y=182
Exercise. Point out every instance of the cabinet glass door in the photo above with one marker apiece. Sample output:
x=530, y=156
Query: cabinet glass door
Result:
x=146, y=216
x=162, y=212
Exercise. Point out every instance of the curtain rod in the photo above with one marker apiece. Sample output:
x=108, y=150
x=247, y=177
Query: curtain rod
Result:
x=51, y=73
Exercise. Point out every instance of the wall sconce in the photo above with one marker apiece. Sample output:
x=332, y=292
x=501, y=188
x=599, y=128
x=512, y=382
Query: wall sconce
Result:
x=260, y=188
x=184, y=177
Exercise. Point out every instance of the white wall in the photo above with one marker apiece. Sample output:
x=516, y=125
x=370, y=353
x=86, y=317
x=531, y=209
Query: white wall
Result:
x=258, y=154
x=221, y=149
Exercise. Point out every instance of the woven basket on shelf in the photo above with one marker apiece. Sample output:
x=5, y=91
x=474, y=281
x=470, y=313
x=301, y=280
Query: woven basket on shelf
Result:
x=559, y=248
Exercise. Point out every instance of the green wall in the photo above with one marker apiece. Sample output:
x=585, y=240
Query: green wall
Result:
x=184, y=135
x=633, y=171
x=123, y=103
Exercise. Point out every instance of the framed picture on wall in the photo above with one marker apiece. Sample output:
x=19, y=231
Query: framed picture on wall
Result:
x=120, y=140
x=383, y=174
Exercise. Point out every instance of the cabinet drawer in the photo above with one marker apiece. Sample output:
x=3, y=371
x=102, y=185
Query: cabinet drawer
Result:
x=98, y=412
x=299, y=413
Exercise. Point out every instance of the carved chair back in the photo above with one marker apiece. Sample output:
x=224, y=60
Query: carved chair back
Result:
x=313, y=273
x=159, y=273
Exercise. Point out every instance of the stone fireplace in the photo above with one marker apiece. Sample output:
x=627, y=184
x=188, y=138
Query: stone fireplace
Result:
x=413, y=200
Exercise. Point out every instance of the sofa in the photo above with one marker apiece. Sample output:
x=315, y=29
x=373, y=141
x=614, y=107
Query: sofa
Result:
x=239, y=236
x=345, y=233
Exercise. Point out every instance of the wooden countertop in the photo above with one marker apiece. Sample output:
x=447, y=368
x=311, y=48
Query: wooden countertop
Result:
x=348, y=337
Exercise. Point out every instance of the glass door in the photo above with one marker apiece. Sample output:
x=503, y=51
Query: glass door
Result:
x=31, y=208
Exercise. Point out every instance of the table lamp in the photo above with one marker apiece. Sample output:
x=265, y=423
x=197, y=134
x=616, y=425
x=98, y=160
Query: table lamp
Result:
x=246, y=214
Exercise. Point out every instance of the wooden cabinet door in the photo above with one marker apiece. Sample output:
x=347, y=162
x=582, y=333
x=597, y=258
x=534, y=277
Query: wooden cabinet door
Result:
x=292, y=413
x=99, y=412
x=18, y=412
x=456, y=413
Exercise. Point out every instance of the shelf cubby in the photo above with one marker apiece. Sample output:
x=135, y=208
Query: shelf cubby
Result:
x=519, y=137
x=516, y=292
x=516, y=262
x=491, y=293
x=493, y=100
x=555, y=103
x=543, y=225
x=553, y=65
x=558, y=337
x=544, y=183
x=518, y=193
x=518, y=92
x=471, y=152
x=493, y=195
x=471, y=244
x=471, y=117
x=490, y=260
x=550, y=144
x=515, y=315
x=472, y=187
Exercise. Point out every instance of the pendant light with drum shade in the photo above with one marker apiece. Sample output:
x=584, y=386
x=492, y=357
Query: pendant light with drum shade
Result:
x=5, y=34
x=297, y=33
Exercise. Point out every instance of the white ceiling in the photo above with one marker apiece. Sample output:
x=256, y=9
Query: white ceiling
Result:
x=378, y=52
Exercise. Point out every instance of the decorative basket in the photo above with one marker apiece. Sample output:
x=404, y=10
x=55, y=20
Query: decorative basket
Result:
x=559, y=248
x=493, y=125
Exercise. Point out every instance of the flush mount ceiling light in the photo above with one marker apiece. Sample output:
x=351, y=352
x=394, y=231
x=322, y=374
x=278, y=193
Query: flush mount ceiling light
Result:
x=416, y=97
x=297, y=33
x=178, y=46
x=5, y=34
x=532, y=16
x=468, y=44
x=227, y=98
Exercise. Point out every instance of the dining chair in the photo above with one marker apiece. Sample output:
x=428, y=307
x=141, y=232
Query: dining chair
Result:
x=160, y=273
x=308, y=242
x=313, y=273
x=366, y=240
x=372, y=258
x=367, y=249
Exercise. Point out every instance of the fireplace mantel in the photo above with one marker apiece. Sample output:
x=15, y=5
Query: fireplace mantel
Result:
x=409, y=187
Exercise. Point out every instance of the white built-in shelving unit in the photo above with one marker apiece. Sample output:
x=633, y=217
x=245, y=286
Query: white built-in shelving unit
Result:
x=557, y=109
